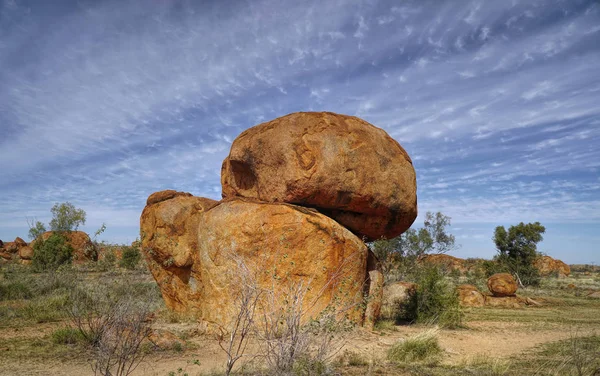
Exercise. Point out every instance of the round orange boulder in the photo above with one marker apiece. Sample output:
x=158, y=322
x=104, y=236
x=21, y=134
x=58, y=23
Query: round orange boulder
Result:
x=341, y=165
x=502, y=284
x=470, y=296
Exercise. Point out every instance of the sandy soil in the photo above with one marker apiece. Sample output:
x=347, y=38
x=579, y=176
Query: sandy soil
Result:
x=495, y=339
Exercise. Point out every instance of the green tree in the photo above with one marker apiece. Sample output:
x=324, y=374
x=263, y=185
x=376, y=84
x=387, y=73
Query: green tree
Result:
x=36, y=228
x=66, y=217
x=517, y=250
x=402, y=252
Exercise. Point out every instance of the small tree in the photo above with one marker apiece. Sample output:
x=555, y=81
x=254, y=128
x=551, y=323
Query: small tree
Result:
x=517, y=250
x=36, y=228
x=66, y=217
x=401, y=253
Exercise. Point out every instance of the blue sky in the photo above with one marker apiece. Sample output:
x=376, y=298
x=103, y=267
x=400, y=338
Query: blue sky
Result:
x=497, y=102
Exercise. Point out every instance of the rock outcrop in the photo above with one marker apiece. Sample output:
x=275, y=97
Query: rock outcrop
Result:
x=83, y=248
x=341, y=165
x=445, y=261
x=502, y=284
x=548, y=266
x=26, y=253
x=12, y=250
x=169, y=232
x=470, y=296
x=280, y=246
x=299, y=193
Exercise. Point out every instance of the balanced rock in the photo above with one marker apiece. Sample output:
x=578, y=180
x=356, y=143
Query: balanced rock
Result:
x=548, y=265
x=169, y=233
x=502, y=284
x=83, y=248
x=341, y=165
x=281, y=249
x=470, y=296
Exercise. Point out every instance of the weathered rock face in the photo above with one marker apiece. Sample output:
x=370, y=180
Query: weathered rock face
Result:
x=374, y=292
x=343, y=166
x=470, y=296
x=394, y=295
x=169, y=231
x=20, y=242
x=445, y=261
x=11, y=250
x=502, y=284
x=83, y=248
x=279, y=246
x=548, y=265
x=26, y=253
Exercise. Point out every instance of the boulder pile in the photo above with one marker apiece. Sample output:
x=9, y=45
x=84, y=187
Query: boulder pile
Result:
x=16, y=250
x=548, y=266
x=83, y=248
x=300, y=194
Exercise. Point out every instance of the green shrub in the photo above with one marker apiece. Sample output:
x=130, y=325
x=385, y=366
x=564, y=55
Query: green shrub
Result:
x=51, y=253
x=15, y=289
x=434, y=301
x=131, y=257
x=419, y=348
x=46, y=309
x=67, y=336
x=109, y=261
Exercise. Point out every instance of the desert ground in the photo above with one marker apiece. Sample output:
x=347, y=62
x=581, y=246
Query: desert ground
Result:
x=559, y=337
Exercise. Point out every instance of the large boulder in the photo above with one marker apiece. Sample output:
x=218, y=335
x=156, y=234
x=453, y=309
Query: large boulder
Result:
x=277, y=247
x=341, y=165
x=11, y=250
x=26, y=253
x=548, y=266
x=169, y=234
x=445, y=261
x=502, y=284
x=20, y=242
x=83, y=248
x=470, y=296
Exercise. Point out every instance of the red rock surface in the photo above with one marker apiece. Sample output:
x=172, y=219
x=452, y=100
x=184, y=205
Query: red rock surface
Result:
x=345, y=167
x=169, y=232
x=83, y=248
x=279, y=246
x=470, y=296
x=502, y=284
x=548, y=265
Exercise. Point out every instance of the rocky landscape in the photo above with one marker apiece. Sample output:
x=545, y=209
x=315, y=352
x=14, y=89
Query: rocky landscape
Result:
x=301, y=194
